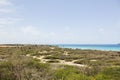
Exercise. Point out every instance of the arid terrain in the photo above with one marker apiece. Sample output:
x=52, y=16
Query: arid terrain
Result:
x=46, y=62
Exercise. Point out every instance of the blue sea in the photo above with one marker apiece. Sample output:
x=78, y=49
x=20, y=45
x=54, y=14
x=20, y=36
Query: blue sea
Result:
x=106, y=47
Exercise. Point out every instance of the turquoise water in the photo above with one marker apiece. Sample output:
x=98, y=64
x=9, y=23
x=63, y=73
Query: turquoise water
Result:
x=108, y=47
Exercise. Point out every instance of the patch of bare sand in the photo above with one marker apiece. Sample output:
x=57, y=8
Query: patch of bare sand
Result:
x=61, y=62
x=41, y=58
x=93, y=60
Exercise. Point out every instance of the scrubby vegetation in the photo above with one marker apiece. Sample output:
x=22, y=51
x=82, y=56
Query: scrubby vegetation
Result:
x=45, y=62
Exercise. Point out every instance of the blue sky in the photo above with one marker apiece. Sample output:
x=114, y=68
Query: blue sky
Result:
x=60, y=21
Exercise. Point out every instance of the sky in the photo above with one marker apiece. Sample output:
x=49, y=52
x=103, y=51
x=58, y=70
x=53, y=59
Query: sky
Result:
x=59, y=21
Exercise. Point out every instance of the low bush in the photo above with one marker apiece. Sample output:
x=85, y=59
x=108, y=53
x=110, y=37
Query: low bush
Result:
x=69, y=73
x=53, y=61
x=51, y=57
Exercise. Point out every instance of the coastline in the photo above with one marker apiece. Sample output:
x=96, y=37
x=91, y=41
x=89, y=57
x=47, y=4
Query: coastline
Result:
x=102, y=47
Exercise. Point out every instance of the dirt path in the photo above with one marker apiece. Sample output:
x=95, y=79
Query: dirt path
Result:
x=61, y=62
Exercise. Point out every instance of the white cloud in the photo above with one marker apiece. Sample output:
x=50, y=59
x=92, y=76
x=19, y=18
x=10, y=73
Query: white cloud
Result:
x=4, y=21
x=6, y=7
x=53, y=34
x=101, y=30
x=5, y=10
x=30, y=30
x=2, y=32
x=5, y=3
x=8, y=21
x=67, y=28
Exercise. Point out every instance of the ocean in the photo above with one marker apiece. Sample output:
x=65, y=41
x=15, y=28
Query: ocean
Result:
x=106, y=47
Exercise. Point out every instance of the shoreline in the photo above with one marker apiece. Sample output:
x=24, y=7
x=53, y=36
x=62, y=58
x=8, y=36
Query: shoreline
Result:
x=106, y=47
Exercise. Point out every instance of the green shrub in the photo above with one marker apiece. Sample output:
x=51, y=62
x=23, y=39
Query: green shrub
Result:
x=53, y=61
x=69, y=73
x=113, y=73
x=82, y=61
x=37, y=65
x=79, y=62
x=23, y=68
x=6, y=71
x=102, y=77
x=51, y=57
